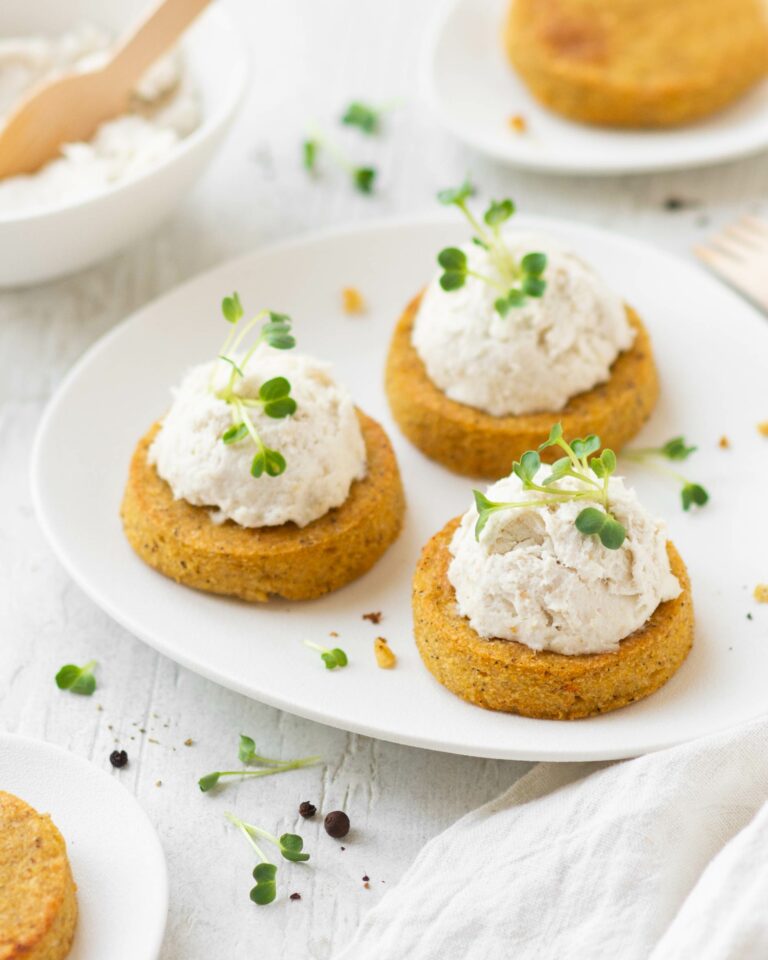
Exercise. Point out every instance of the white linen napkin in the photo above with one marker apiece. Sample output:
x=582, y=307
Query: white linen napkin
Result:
x=660, y=858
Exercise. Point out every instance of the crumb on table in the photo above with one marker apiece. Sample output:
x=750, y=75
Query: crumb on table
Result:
x=352, y=300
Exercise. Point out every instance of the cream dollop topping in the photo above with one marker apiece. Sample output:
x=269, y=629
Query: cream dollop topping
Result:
x=322, y=444
x=532, y=577
x=536, y=357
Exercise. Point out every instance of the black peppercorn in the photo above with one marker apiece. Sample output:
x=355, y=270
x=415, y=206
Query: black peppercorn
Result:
x=337, y=824
x=118, y=758
x=307, y=809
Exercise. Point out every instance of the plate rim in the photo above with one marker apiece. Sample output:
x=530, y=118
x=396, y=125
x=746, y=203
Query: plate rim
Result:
x=546, y=163
x=38, y=744
x=311, y=237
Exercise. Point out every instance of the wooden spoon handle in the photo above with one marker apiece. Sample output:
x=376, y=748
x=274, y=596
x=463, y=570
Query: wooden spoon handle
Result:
x=154, y=35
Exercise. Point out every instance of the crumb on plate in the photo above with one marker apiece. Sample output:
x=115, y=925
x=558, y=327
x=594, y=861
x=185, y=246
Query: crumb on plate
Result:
x=517, y=122
x=761, y=593
x=373, y=617
x=352, y=300
x=385, y=658
x=724, y=443
x=762, y=428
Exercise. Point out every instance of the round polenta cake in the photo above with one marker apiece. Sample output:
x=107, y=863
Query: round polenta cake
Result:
x=476, y=443
x=637, y=63
x=38, y=905
x=255, y=563
x=509, y=676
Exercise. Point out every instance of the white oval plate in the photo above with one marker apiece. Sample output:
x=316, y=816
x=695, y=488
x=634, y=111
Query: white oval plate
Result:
x=474, y=90
x=713, y=353
x=117, y=861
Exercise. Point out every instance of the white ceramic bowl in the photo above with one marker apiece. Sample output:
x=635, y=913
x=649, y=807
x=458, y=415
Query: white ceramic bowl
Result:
x=58, y=240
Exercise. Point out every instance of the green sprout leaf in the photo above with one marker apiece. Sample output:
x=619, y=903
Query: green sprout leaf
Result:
x=258, y=464
x=309, y=152
x=76, y=679
x=246, y=751
x=555, y=436
x=677, y=449
x=209, y=781
x=332, y=658
x=528, y=467
x=693, y=493
x=291, y=847
x=274, y=462
x=235, y=434
x=456, y=195
x=534, y=264
x=454, y=263
x=265, y=891
x=363, y=116
x=274, y=394
x=592, y=521
x=499, y=212
x=583, y=448
x=533, y=286
x=612, y=534
x=232, y=308
x=364, y=178
x=276, y=332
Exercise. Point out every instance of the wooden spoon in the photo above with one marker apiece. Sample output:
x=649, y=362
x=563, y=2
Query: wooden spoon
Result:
x=71, y=107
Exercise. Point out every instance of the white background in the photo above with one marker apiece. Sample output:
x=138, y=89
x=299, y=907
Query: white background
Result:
x=310, y=58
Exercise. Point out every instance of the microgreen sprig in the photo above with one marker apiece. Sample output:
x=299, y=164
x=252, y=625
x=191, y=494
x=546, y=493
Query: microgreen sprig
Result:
x=249, y=757
x=290, y=845
x=274, y=397
x=77, y=679
x=332, y=658
x=593, y=476
x=363, y=178
x=516, y=281
x=365, y=117
x=674, y=449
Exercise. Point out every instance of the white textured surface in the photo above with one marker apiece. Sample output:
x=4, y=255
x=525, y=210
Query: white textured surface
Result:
x=537, y=356
x=532, y=577
x=308, y=60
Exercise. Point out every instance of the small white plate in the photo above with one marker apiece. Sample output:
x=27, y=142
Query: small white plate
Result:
x=474, y=90
x=117, y=861
x=713, y=353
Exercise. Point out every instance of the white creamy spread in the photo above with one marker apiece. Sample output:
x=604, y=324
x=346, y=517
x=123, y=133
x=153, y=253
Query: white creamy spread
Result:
x=322, y=444
x=536, y=357
x=535, y=579
x=121, y=147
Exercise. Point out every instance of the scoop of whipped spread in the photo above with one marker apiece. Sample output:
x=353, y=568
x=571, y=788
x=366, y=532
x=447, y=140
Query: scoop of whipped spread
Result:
x=536, y=357
x=165, y=110
x=322, y=444
x=534, y=578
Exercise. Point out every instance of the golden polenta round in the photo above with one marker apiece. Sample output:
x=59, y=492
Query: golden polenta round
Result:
x=478, y=444
x=38, y=905
x=511, y=677
x=297, y=563
x=637, y=63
